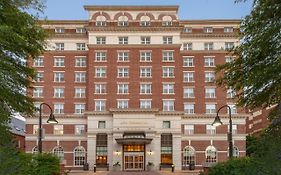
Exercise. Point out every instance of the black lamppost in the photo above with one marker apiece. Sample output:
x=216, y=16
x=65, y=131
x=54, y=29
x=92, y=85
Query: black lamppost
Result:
x=51, y=120
x=217, y=122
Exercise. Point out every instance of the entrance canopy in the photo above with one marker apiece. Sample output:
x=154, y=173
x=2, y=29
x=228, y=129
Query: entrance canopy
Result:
x=133, y=138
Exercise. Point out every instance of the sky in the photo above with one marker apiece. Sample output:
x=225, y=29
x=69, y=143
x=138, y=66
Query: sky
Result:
x=188, y=9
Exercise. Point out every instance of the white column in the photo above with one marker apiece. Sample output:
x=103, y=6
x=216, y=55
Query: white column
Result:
x=117, y=147
x=91, y=152
x=156, y=150
x=177, y=151
x=110, y=153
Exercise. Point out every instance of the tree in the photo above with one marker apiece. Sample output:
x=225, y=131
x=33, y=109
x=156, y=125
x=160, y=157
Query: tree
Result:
x=20, y=39
x=255, y=75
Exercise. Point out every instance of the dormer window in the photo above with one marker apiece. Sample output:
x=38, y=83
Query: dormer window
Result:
x=59, y=30
x=187, y=30
x=100, y=21
x=80, y=30
x=228, y=29
x=145, y=21
x=123, y=21
x=167, y=21
x=208, y=29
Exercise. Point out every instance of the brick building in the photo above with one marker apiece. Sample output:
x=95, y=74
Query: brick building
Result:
x=134, y=84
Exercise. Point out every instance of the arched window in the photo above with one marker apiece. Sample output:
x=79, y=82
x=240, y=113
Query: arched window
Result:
x=35, y=150
x=79, y=156
x=145, y=21
x=188, y=156
x=123, y=21
x=58, y=151
x=211, y=154
x=167, y=21
x=101, y=21
x=235, y=151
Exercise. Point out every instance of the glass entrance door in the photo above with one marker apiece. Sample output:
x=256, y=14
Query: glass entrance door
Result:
x=134, y=161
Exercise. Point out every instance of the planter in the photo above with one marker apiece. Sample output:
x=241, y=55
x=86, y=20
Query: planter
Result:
x=116, y=168
x=150, y=167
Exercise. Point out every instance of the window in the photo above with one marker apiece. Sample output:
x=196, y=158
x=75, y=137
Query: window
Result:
x=79, y=108
x=167, y=21
x=101, y=124
x=80, y=46
x=79, y=156
x=168, y=56
x=230, y=93
x=101, y=40
x=80, y=92
x=80, y=77
x=167, y=40
x=80, y=129
x=188, y=92
x=168, y=72
x=228, y=45
x=233, y=109
x=210, y=109
x=80, y=62
x=59, y=108
x=58, y=129
x=145, y=72
x=35, y=129
x=234, y=128
x=145, y=40
x=209, y=46
x=101, y=149
x=58, y=151
x=209, y=61
x=187, y=30
x=59, y=30
x=101, y=56
x=100, y=21
x=145, y=104
x=166, y=124
x=187, y=46
x=38, y=92
x=188, y=129
x=123, y=72
x=100, y=72
x=228, y=59
x=145, y=23
x=123, y=40
x=210, y=129
x=122, y=88
x=228, y=29
x=59, y=92
x=59, y=46
x=188, y=76
x=168, y=88
x=35, y=150
x=122, y=104
x=145, y=56
x=188, y=62
x=211, y=154
x=123, y=21
x=209, y=76
x=235, y=152
x=145, y=88
x=59, y=61
x=189, y=108
x=100, y=105
x=80, y=30
x=100, y=88
x=168, y=105
x=208, y=29
x=59, y=77
x=188, y=156
x=166, y=149
x=210, y=92
x=123, y=56
x=38, y=62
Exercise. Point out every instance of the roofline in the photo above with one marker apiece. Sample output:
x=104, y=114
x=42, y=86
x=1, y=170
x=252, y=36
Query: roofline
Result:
x=63, y=21
x=210, y=21
x=133, y=8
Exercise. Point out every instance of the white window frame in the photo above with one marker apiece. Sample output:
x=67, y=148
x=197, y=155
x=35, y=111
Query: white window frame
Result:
x=210, y=129
x=80, y=92
x=59, y=92
x=189, y=108
x=145, y=72
x=79, y=108
x=122, y=103
x=146, y=88
x=80, y=46
x=59, y=77
x=188, y=61
x=38, y=62
x=59, y=108
x=59, y=61
x=145, y=40
x=80, y=62
x=123, y=56
x=210, y=76
x=188, y=77
x=145, y=56
x=145, y=103
x=168, y=88
x=123, y=40
x=100, y=56
x=100, y=88
x=187, y=46
x=59, y=46
x=100, y=104
x=188, y=129
x=100, y=72
x=168, y=56
x=168, y=72
x=123, y=72
x=209, y=61
x=80, y=77
x=38, y=92
x=208, y=46
x=122, y=88
x=101, y=40
x=167, y=39
x=211, y=109
x=80, y=129
x=58, y=129
x=210, y=92
x=168, y=105
x=188, y=92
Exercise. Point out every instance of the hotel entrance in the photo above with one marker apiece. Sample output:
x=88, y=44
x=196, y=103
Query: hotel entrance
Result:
x=133, y=157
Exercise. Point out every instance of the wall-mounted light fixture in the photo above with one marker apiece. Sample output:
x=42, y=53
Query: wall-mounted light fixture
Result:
x=149, y=152
x=117, y=153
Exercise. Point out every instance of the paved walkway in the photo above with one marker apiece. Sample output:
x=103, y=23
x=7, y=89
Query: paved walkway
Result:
x=133, y=173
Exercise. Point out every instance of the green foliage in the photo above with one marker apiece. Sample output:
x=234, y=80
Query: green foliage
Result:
x=255, y=74
x=20, y=39
x=13, y=162
x=251, y=145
